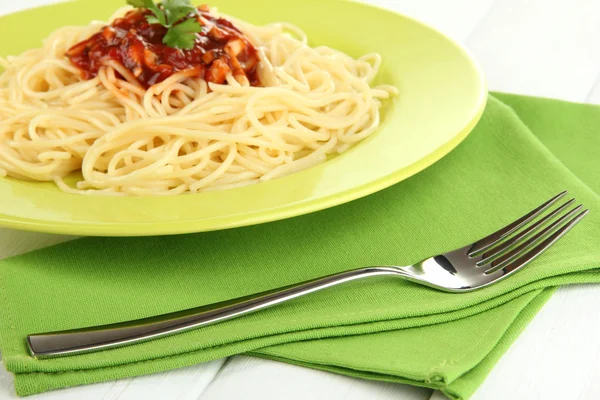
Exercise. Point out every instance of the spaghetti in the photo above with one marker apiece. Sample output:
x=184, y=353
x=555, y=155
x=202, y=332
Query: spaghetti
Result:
x=225, y=122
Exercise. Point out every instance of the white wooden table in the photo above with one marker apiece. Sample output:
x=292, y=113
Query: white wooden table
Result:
x=539, y=47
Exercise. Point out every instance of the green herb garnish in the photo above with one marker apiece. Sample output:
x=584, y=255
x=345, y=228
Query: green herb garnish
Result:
x=168, y=14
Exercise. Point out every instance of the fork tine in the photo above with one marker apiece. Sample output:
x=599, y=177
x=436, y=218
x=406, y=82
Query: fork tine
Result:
x=514, y=253
x=521, y=258
x=498, y=250
x=496, y=237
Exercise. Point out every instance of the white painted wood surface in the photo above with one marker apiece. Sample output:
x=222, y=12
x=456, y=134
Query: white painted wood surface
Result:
x=537, y=47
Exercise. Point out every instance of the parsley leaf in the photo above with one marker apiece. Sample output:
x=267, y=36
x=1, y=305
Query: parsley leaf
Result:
x=153, y=20
x=172, y=11
x=183, y=35
x=159, y=16
x=177, y=9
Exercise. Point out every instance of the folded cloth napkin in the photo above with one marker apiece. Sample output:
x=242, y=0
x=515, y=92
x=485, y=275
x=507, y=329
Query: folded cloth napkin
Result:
x=523, y=151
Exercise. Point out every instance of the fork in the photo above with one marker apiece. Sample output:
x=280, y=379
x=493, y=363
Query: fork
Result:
x=469, y=268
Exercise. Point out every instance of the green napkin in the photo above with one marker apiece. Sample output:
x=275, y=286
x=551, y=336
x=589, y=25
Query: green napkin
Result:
x=522, y=152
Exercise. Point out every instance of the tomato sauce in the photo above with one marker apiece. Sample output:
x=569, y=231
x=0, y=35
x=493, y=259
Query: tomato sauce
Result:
x=132, y=41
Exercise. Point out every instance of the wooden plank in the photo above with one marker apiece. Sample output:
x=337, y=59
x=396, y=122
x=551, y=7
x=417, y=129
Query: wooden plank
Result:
x=557, y=356
x=457, y=18
x=540, y=47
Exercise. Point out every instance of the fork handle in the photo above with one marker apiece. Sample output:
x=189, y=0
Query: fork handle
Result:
x=56, y=344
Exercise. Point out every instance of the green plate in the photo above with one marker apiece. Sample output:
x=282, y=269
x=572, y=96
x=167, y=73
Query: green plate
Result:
x=442, y=97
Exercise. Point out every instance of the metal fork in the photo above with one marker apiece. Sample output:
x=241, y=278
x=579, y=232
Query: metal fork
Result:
x=472, y=267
